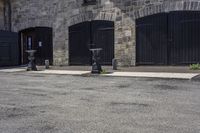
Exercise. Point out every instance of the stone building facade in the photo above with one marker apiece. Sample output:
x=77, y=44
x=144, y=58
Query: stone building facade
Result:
x=5, y=15
x=60, y=14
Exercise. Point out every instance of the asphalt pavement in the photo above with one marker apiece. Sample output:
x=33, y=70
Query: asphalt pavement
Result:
x=42, y=103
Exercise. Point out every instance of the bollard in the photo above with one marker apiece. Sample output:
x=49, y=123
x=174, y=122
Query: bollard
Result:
x=114, y=64
x=47, y=64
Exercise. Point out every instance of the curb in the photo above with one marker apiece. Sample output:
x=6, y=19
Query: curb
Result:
x=196, y=78
x=61, y=72
x=187, y=76
x=159, y=75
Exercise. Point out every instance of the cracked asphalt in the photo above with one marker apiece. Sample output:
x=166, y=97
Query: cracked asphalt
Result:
x=36, y=103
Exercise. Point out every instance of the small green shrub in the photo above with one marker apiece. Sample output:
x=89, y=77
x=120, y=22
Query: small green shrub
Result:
x=195, y=66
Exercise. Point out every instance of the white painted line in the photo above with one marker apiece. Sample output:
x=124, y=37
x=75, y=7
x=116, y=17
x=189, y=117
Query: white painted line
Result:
x=61, y=72
x=154, y=75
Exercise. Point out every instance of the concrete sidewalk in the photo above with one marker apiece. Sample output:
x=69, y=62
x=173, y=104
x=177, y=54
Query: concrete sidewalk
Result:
x=61, y=72
x=154, y=75
x=13, y=69
x=165, y=69
x=146, y=73
x=123, y=74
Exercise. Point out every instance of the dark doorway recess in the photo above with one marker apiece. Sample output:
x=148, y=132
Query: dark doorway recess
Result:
x=100, y=33
x=9, y=49
x=168, y=38
x=40, y=39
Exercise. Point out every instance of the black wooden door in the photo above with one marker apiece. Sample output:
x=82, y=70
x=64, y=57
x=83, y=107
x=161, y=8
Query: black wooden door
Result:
x=79, y=40
x=184, y=36
x=44, y=45
x=99, y=33
x=168, y=38
x=9, y=49
x=40, y=39
x=151, y=42
x=28, y=43
x=103, y=37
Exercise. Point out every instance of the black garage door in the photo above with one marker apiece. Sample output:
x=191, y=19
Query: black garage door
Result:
x=100, y=33
x=168, y=38
x=9, y=49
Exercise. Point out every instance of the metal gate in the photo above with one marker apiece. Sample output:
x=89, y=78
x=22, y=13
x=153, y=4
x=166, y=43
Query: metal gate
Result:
x=9, y=49
x=168, y=38
x=81, y=36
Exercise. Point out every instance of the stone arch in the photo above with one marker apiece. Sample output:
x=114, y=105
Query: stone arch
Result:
x=32, y=27
x=167, y=7
x=32, y=23
x=88, y=16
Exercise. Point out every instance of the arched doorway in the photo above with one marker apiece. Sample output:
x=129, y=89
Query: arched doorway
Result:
x=168, y=38
x=81, y=36
x=40, y=39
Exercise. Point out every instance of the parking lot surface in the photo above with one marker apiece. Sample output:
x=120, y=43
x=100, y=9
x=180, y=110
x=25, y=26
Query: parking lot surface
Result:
x=39, y=103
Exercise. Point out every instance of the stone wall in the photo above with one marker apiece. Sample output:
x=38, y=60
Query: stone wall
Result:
x=44, y=13
x=60, y=14
x=124, y=13
x=5, y=15
x=1, y=15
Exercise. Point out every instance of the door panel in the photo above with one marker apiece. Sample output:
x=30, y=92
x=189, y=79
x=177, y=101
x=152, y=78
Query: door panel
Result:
x=103, y=37
x=44, y=45
x=185, y=29
x=9, y=49
x=28, y=43
x=152, y=40
x=79, y=40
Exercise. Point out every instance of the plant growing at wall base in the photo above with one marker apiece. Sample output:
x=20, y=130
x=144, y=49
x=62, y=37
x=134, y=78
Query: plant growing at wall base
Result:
x=104, y=71
x=195, y=66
